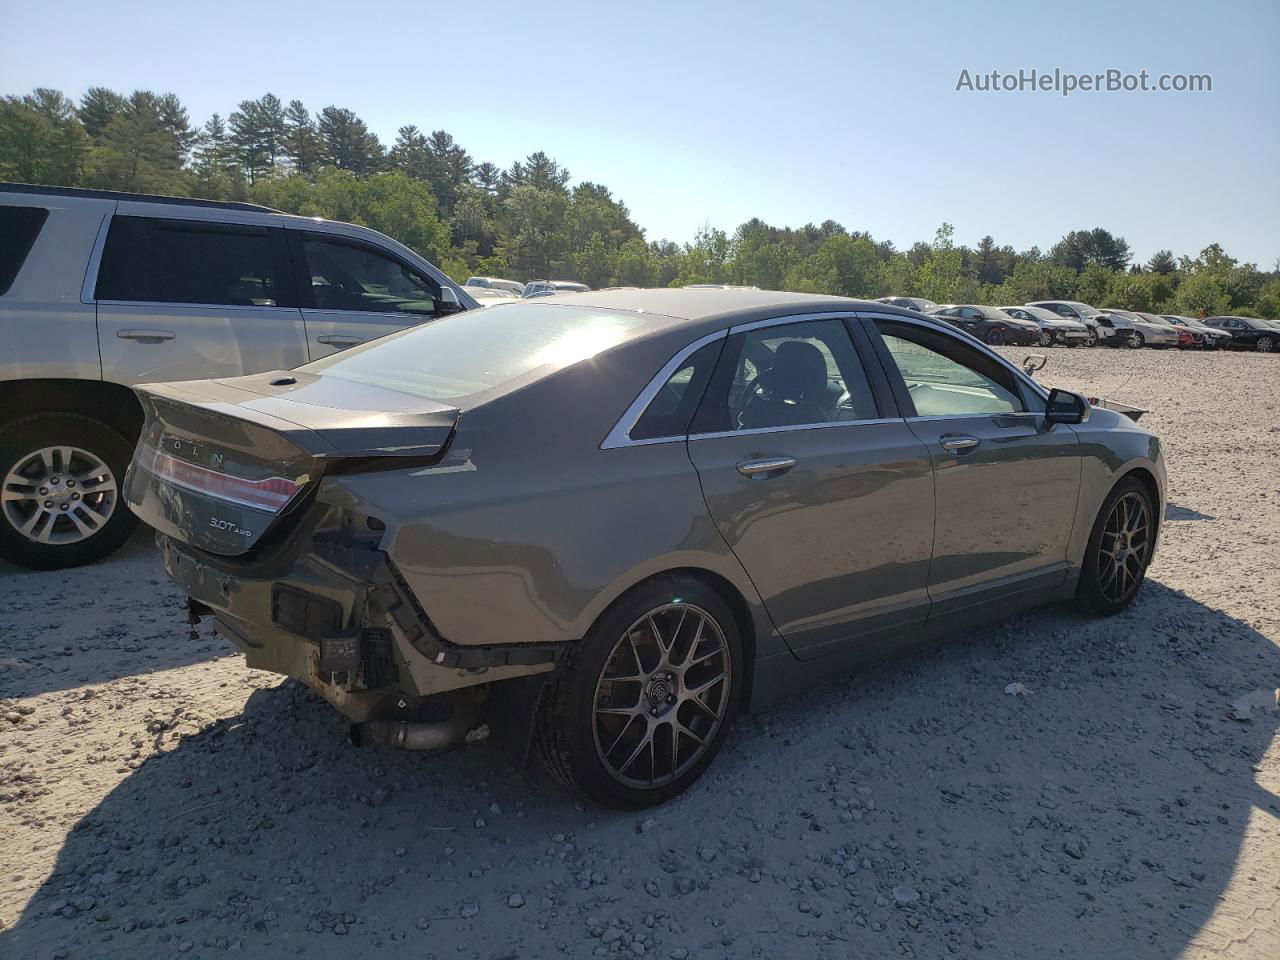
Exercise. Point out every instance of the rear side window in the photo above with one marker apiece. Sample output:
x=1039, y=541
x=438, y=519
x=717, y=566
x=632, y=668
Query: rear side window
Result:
x=670, y=411
x=183, y=261
x=19, y=227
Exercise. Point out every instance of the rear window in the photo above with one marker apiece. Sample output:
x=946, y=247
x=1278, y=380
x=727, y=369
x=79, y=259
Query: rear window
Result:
x=182, y=261
x=472, y=352
x=19, y=227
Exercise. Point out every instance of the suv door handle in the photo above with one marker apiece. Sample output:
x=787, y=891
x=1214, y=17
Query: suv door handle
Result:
x=146, y=336
x=751, y=468
x=335, y=341
x=958, y=444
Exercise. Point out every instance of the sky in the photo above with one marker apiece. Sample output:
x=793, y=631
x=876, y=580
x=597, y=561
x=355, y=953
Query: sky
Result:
x=712, y=113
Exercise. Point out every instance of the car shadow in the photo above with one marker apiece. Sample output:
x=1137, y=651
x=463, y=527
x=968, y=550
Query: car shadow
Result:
x=1174, y=512
x=116, y=618
x=916, y=807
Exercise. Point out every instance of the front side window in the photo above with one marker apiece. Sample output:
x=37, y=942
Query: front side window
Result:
x=351, y=276
x=947, y=378
x=19, y=227
x=789, y=375
x=154, y=260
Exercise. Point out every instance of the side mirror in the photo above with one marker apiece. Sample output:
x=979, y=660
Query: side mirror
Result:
x=1066, y=407
x=1033, y=362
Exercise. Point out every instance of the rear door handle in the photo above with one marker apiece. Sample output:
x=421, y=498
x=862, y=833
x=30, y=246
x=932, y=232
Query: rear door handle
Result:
x=146, y=336
x=752, y=468
x=957, y=444
x=335, y=341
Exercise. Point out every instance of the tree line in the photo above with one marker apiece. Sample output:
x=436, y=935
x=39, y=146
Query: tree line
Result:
x=530, y=220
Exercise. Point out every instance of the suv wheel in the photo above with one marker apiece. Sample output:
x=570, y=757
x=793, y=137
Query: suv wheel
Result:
x=1119, y=550
x=60, y=491
x=1265, y=345
x=641, y=707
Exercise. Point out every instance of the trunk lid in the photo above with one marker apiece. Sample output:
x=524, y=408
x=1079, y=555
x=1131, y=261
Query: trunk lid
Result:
x=222, y=462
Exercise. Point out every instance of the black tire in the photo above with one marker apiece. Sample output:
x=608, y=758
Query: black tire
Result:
x=567, y=733
x=1136, y=340
x=1265, y=345
x=19, y=441
x=995, y=337
x=1046, y=339
x=1096, y=592
x=1093, y=338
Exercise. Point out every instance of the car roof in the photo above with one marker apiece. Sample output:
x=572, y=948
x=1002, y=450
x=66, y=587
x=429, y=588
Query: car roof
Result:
x=698, y=306
x=51, y=191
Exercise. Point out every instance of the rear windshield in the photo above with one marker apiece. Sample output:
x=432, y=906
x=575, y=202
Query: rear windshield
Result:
x=472, y=352
x=19, y=227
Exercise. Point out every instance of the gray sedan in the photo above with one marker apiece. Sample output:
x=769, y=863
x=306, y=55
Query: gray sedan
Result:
x=603, y=523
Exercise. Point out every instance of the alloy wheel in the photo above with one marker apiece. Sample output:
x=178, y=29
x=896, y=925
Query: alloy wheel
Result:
x=1046, y=339
x=1136, y=341
x=1266, y=345
x=1092, y=339
x=662, y=695
x=59, y=495
x=1124, y=548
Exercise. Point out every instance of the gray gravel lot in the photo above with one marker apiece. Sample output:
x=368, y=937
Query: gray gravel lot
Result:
x=157, y=799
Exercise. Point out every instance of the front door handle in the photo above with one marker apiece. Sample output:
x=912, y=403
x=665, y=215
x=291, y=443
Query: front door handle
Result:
x=957, y=444
x=146, y=336
x=753, y=468
x=335, y=341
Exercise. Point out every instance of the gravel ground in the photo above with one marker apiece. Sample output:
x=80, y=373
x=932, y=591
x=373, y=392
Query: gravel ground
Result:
x=158, y=799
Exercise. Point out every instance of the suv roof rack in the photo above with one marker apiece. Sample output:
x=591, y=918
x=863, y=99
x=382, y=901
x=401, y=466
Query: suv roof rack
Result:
x=143, y=197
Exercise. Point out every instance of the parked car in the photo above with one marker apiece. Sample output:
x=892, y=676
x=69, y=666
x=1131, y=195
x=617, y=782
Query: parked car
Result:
x=1249, y=333
x=989, y=324
x=1053, y=328
x=1143, y=333
x=919, y=304
x=1211, y=338
x=496, y=283
x=490, y=296
x=100, y=290
x=1187, y=339
x=1103, y=333
x=545, y=288
x=609, y=522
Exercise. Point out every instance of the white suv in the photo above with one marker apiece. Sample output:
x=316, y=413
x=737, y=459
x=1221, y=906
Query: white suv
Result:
x=100, y=291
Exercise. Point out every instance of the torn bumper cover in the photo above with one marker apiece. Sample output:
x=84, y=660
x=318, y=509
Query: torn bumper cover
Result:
x=343, y=620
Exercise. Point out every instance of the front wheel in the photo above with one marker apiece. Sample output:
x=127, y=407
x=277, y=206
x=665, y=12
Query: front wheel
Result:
x=1092, y=339
x=641, y=706
x=995, y=337
x=1119, y=550
x=1136, y=341
x=60, y=479
x=1046, y=338
x=1265, y=345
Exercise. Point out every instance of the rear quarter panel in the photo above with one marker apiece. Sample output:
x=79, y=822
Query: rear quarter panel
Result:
x=528, y=530
x=45, y=329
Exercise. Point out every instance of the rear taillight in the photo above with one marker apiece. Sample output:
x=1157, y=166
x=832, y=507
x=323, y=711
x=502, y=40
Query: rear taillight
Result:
x=270, y=494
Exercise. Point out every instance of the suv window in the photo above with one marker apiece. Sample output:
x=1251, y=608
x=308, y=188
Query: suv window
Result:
x=353, y=276
x=19, y=227
x=947, y=378
x=187, y=261
x=670, y=411
x=790, y=375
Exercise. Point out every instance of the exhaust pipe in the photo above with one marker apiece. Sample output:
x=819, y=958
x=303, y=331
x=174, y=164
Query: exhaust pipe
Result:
x=415, y=735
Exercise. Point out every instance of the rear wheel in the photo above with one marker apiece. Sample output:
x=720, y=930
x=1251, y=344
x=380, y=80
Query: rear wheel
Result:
x=1119, y=549
x=60, y=491
x=641, y=707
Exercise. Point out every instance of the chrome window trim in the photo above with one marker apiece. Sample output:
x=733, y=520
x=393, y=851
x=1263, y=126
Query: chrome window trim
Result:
x=619, y=436
x=95, y=259
x=965, y=340
x=754, y=431
x=841, y=314
x=185, y=305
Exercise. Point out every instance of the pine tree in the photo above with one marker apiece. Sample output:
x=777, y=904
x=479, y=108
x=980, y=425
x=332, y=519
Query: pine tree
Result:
x=347, y=143
x=301, y=142
x=98, y=107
